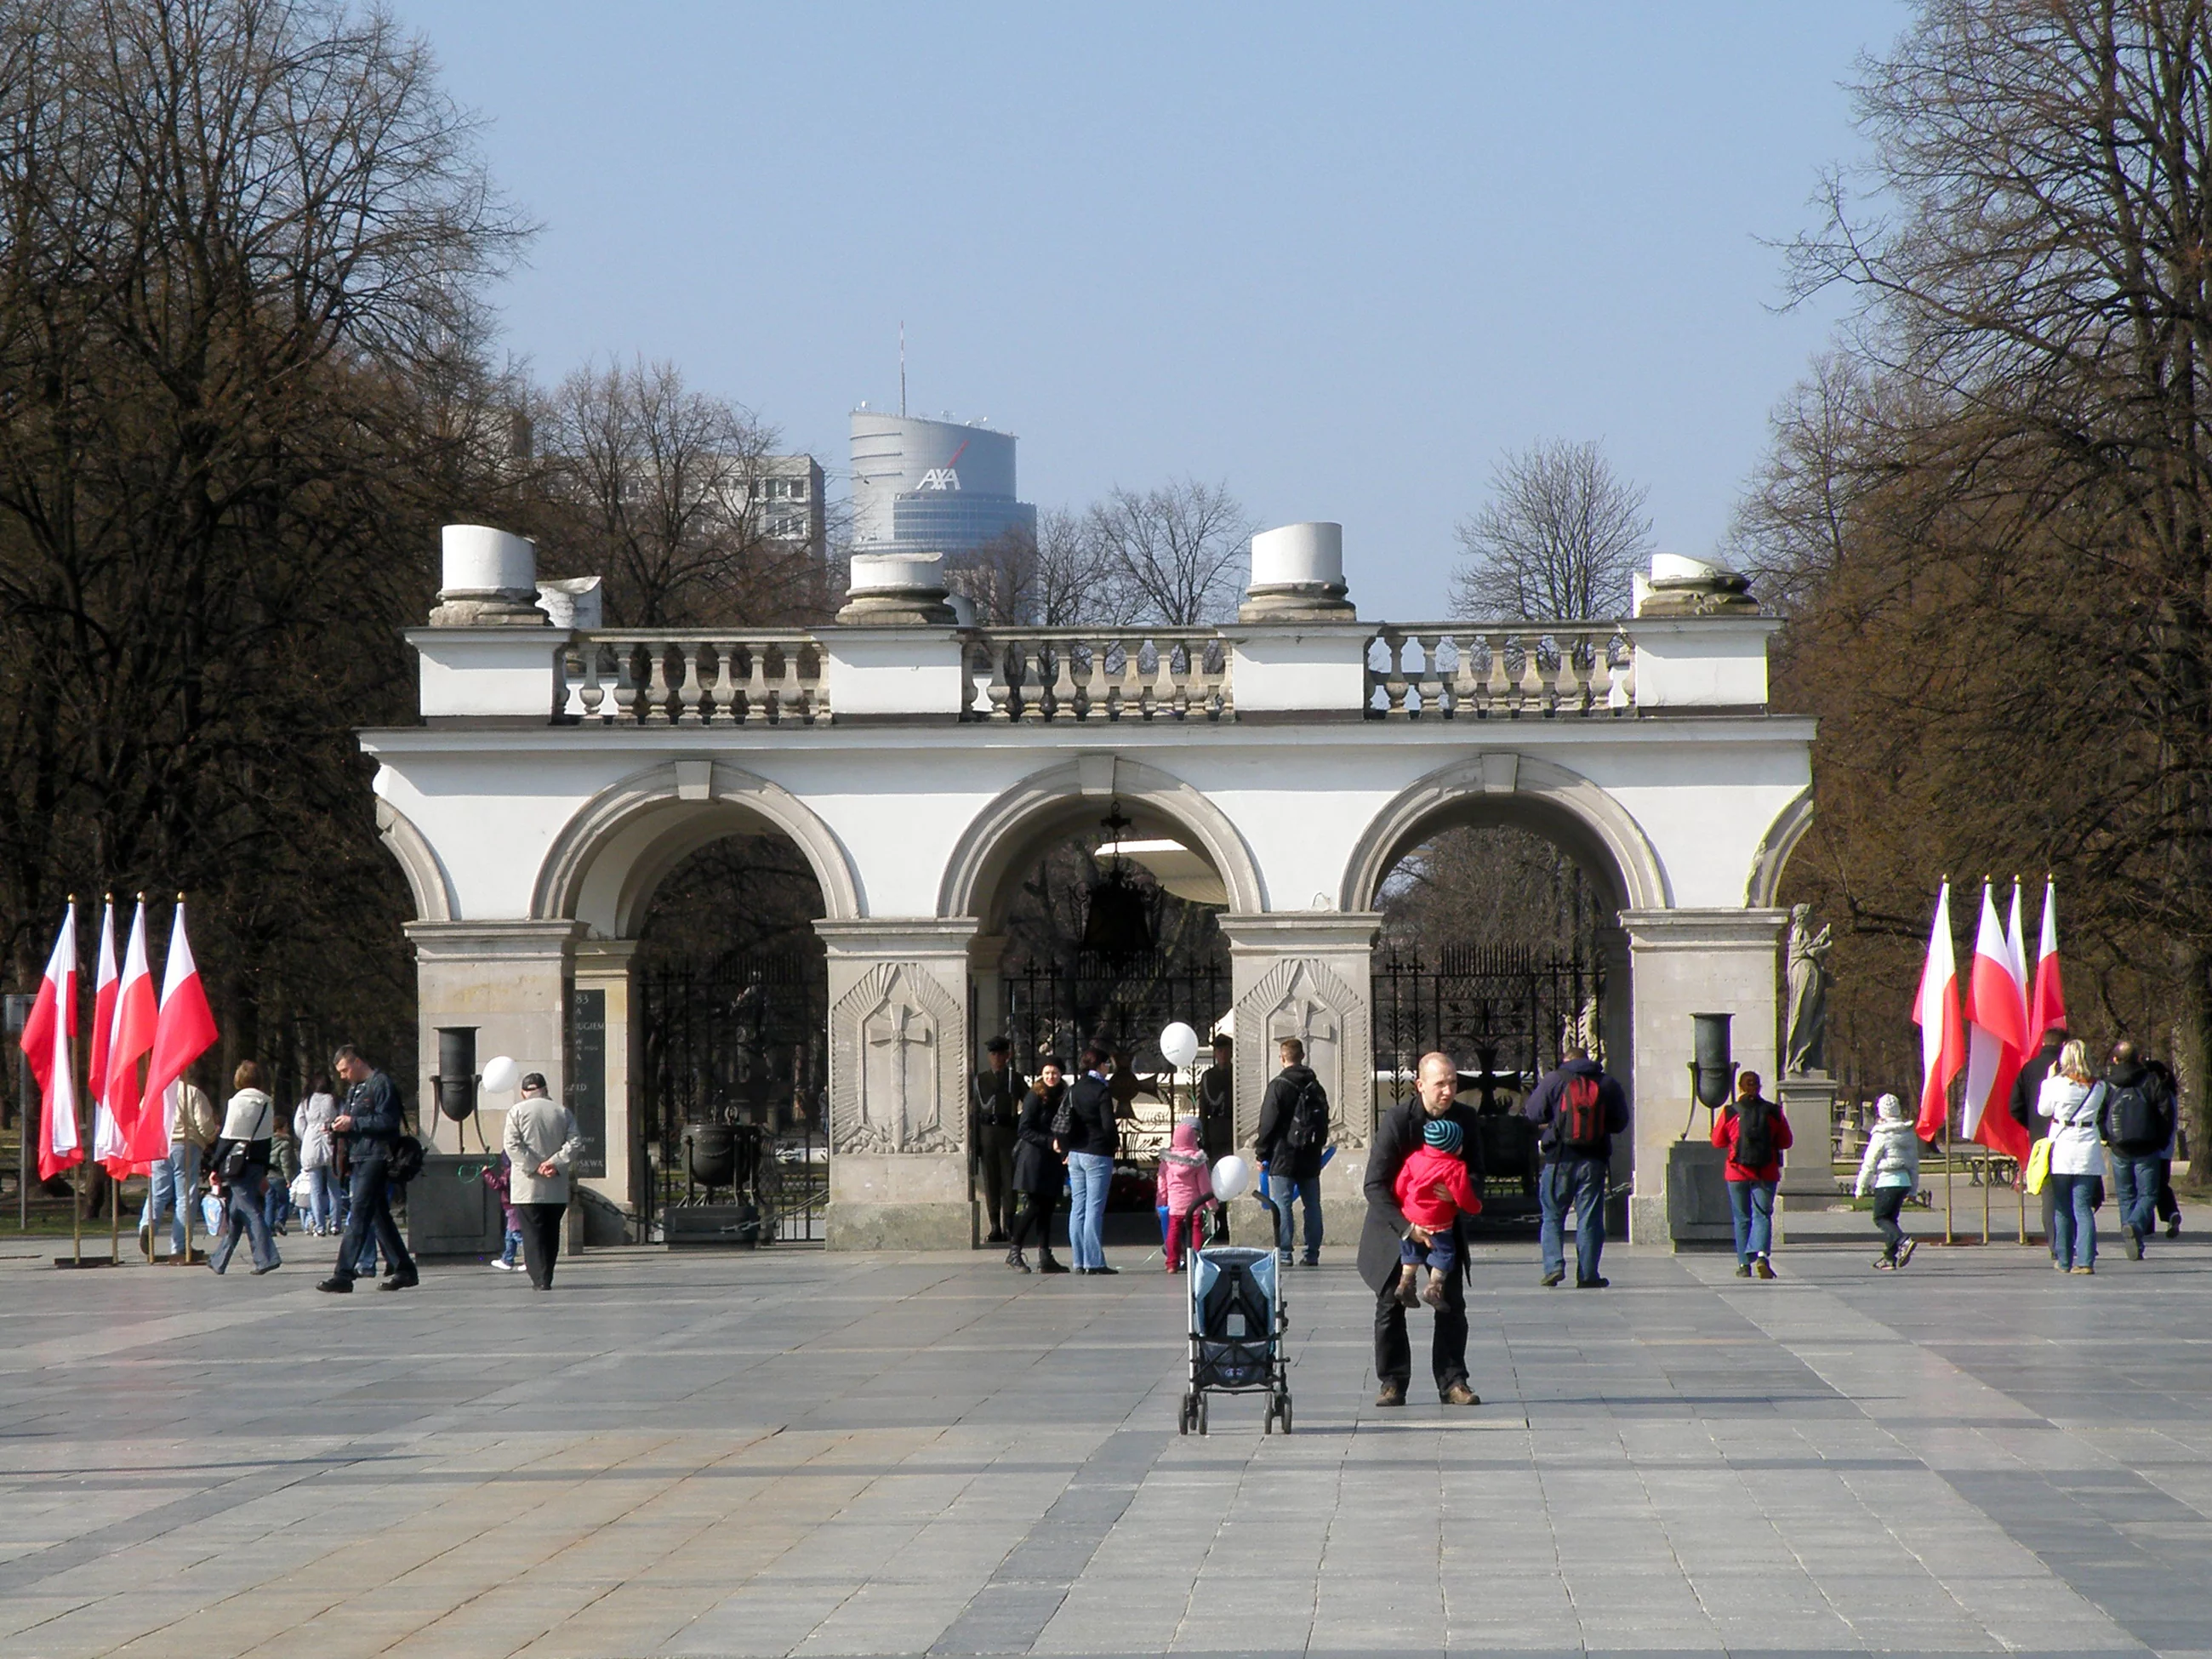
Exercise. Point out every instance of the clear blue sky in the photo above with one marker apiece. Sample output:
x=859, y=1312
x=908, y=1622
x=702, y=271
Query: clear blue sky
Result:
x=1341, y=257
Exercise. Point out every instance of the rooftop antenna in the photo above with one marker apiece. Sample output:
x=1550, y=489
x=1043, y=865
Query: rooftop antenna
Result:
x=902, y=368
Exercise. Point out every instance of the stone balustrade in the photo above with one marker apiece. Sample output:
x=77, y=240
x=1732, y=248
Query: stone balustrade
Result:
x=694, y=678
x=1481, y=671
x=1037, y=675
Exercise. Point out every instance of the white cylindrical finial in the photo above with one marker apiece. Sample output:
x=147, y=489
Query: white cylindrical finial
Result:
x=488, y=578
x=1297, y=574
x=897, y=589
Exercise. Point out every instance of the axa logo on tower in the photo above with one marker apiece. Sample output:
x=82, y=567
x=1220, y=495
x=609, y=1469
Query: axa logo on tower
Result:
x=945, y=477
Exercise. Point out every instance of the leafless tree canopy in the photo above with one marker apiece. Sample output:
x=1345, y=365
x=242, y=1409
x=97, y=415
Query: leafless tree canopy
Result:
x=1989, y=510
x=240, y=244
x=1557, y=540
x=661, y=488
x=1173, y=556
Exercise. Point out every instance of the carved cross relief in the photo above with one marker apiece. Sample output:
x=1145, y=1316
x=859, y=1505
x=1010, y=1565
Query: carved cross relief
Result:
x=900, y=1110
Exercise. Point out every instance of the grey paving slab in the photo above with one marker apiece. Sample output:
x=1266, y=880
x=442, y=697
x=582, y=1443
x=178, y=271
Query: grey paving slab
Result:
x=797, y=1454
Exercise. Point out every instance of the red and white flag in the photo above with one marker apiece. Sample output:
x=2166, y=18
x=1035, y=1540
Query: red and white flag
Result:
x=1935, y=1011
x=108, y=1144
x=185, y=1027
x=47, y=1041
x=145, y=1132
x=2047, y=1008
x=1997, y=1027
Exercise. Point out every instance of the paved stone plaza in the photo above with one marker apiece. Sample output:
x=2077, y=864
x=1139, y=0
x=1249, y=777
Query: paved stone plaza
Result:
x=801, y=1452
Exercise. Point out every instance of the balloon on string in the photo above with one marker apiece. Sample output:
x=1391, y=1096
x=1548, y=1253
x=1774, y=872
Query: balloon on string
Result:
x=1179, y=1044
x=1232, y=1176
x=501, y=1074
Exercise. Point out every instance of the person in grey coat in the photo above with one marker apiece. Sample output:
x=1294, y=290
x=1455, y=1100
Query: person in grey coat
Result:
x=542, y=1143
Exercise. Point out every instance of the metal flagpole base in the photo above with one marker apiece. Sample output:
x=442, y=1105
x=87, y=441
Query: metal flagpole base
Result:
x=82, y=1262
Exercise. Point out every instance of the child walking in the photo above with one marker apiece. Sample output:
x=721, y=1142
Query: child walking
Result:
x=1891, y=1170
x=1434, y=1192
x=499, y=1178
x=1185, y=1189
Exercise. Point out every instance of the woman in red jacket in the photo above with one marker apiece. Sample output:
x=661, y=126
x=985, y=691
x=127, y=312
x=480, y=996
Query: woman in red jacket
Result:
x=1754, y=1134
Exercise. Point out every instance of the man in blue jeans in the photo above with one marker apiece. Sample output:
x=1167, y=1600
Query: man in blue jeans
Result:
x=1090, y=1149
x=2137, y=1120
x=1292, y=1141
x=1578, y=1110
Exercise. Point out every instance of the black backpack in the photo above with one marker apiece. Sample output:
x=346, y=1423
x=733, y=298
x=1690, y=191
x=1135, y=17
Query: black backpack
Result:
x=2137, y=1123
x=1754, y=1133
x=406, y=1161
x=1309, y=1125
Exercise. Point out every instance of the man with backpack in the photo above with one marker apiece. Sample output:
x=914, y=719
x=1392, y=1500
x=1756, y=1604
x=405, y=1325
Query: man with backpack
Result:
x=372, y=1126
x=1578, y=1110
x=2137, y=1124
x=1293, y=1136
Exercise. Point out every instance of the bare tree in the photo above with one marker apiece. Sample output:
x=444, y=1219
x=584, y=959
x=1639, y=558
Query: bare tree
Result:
x=1169, y=555
x=664, y=485
x=239, y=241
x=2033, y=255
x=1047, y=579
x=1556, y=542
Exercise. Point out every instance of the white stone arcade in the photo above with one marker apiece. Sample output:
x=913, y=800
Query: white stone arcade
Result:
x=921, y=767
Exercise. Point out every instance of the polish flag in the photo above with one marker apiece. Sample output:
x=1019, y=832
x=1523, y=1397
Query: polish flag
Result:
x=136, y=1016
x=185, y=1029
x=1935, y=1011
x=1997, y=1028
x=108, y=1144
x=2047, y=1009
x=46, y=1041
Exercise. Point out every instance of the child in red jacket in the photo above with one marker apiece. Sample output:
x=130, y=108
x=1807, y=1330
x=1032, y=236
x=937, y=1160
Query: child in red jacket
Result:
x=1434, y=1192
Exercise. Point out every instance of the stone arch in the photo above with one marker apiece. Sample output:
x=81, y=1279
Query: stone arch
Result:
x=1046, y=804
x=1775, y=846
x=1510, y=788
x=603, y=865
x=427, y=883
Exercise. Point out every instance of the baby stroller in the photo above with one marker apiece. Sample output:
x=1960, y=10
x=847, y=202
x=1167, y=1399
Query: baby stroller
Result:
x=1237, y=1326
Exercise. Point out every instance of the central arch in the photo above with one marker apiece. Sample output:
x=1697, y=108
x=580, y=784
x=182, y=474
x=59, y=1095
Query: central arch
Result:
x=1507, y=788
x=1046, y=804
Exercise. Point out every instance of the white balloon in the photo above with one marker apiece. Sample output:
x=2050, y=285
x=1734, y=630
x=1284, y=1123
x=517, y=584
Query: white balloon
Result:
x=501, y=1074
x=1179, y=1043
x=1232, y=1176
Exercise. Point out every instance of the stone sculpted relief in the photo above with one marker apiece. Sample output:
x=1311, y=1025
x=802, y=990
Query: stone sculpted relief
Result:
x=1807, y=1048
x=896, y=1059
x=1305, y=999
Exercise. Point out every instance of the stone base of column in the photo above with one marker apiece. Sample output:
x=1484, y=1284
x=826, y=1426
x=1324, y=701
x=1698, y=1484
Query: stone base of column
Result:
x=1808, y=1173
x=858, y=1226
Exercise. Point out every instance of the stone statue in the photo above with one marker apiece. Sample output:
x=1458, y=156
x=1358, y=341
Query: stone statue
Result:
x=1807, y=1048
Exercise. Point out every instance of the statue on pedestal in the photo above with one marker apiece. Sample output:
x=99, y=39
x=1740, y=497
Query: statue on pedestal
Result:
x=1806, y=1049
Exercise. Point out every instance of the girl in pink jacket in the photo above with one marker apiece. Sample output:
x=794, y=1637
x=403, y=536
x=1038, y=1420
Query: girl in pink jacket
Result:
x=1186, y=1189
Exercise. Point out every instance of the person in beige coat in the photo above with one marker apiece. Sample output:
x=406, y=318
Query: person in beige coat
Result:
x=542, y=1142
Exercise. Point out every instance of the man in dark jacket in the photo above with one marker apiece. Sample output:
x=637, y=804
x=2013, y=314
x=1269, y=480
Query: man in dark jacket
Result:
x=1576, y=1169
x=1396, y=1134
x=1293, y=1135
x=371, y=1120
x=2137, y=1123
x=994, y=1116
x=1090, y=1162
x=1217, y=1102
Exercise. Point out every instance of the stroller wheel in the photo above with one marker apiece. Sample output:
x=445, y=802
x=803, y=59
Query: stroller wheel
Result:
x=1183, y=1415
x=1201, y=1414
x=1283, y=1410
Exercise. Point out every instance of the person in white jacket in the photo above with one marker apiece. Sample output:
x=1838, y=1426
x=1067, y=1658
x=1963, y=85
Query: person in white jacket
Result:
x=543, y=1144
x=311, y=1125
x=2071, y=1100
x=1890, y=1171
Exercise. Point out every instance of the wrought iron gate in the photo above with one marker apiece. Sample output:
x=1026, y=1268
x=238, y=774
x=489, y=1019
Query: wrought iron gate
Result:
x=742, y=1043
x=1505, y=1016
x=1048, y=1011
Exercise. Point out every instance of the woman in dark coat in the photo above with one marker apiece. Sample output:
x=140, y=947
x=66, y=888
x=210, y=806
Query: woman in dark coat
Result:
x=1040, y=1169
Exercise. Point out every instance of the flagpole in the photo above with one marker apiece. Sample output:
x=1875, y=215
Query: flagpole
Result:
x=67, y=1017
x=1950, y=1148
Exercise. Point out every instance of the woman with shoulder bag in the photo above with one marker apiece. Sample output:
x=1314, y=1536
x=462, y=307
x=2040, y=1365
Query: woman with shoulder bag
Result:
x=1040, y=1167
x=2072, y=1101
x=237, y=1164
x=311, y=1124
